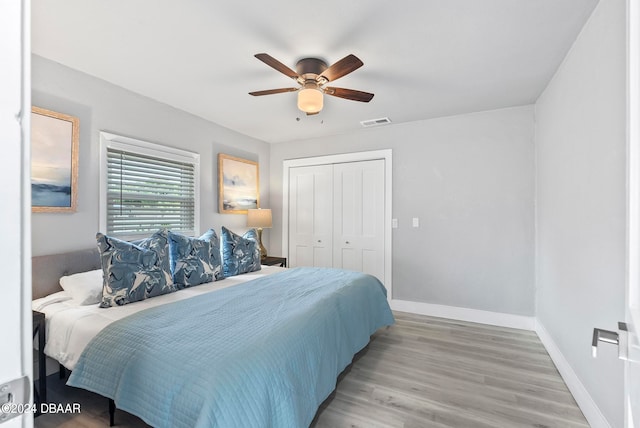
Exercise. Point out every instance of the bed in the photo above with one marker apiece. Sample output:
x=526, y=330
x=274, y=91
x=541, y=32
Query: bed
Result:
x=258, y=349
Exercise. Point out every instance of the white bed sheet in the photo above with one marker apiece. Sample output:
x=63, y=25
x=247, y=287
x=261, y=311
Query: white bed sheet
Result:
x=70, y=327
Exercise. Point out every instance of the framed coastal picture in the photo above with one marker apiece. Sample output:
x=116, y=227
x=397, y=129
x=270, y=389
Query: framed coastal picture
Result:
x=238, y=185
x=54, y=161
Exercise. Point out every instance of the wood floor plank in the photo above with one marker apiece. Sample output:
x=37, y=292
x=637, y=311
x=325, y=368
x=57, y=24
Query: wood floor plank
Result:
x=561, y=403
x=421, y=372
x=463, y=366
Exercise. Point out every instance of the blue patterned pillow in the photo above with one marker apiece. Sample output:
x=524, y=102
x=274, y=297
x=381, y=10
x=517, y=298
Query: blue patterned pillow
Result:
x=134, y=272
x=195, y=260
x=240, y=254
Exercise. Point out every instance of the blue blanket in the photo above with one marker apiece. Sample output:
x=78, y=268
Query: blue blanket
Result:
x=265, y=353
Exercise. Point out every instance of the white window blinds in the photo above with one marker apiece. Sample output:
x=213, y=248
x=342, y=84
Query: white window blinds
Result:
x=147, y=191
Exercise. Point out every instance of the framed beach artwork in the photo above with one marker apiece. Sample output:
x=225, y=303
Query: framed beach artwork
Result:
x=54, y=161
x=238, y=185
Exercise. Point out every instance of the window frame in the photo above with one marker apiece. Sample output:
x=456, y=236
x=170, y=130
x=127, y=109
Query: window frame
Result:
x=133, y=145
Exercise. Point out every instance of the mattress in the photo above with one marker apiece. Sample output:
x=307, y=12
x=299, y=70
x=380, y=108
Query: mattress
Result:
x=265, y=353
x=70, y=327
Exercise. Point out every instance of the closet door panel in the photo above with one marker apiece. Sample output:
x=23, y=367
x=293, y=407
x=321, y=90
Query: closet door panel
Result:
x=371, y=264
x=348, y=183
x=349, y=259
x=310, y=216
x=359, y=217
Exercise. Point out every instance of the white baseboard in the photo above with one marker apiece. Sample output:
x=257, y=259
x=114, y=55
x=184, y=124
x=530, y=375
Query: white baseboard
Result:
x=589, y=408
x=465, y=314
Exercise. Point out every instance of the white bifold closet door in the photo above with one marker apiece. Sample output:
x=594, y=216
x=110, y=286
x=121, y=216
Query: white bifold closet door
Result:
x=336, y=216
x=311, y=216
x=358, y=217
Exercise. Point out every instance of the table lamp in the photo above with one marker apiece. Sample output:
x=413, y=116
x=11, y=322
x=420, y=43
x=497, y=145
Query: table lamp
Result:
x=259, y=219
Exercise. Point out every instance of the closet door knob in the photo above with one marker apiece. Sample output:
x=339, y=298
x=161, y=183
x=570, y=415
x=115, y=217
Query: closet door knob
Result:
x=347, y=242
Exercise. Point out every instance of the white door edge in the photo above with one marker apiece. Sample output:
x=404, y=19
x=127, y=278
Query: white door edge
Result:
x=16, y=360
x=632, y=312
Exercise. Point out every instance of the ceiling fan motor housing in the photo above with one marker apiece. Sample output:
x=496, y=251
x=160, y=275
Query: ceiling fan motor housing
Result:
x=310, y=68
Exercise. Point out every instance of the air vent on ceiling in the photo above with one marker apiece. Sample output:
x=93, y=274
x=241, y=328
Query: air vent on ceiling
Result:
x=375, y=122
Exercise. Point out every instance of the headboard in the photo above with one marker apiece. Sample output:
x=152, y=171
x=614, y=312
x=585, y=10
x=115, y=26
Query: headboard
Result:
x=47, y=270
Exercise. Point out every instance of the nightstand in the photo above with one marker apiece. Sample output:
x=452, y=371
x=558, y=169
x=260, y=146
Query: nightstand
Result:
x=274, y=261
x=40, y=393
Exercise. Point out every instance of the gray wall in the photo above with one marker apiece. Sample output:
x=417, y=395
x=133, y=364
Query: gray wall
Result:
x=580, y=157
x=102, y=106
x=469, y=179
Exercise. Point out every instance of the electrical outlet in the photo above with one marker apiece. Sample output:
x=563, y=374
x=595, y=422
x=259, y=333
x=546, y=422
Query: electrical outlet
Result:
x=416, y=222
x=394, y=223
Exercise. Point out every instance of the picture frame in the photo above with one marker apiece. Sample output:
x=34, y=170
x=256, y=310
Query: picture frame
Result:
x=238, y=184
x=55, y=138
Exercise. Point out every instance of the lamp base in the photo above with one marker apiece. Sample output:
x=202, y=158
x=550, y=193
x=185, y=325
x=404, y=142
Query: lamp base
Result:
x=263, y=251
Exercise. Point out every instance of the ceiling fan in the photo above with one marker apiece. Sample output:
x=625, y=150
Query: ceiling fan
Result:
x=312, y=74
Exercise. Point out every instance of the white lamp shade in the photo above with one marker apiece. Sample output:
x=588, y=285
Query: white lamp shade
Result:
x=310, y=100
x=259, y=218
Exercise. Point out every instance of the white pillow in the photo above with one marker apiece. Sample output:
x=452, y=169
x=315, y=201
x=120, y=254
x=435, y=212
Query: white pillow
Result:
x=85, y=288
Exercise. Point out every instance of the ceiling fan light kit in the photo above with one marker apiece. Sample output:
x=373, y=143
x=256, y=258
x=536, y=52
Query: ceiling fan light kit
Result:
x=312, y=74
x=310, y=98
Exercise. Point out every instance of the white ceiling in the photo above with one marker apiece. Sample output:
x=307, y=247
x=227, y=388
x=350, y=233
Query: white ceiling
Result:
x=422, y=58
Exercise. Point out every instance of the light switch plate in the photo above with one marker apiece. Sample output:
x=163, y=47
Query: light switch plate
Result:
x=416, y=222
x=394, y=223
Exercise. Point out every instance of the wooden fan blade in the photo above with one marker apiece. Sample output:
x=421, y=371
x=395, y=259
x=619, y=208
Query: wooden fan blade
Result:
x=345, y=66
x=272, y=62
x=312, y=114
x=349, y=94
x=272, y=91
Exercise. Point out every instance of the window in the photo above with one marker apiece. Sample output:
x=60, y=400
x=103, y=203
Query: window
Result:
x=146, y=187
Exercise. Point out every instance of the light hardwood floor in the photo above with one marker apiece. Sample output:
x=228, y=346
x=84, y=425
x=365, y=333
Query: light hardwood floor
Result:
x=421, y=372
